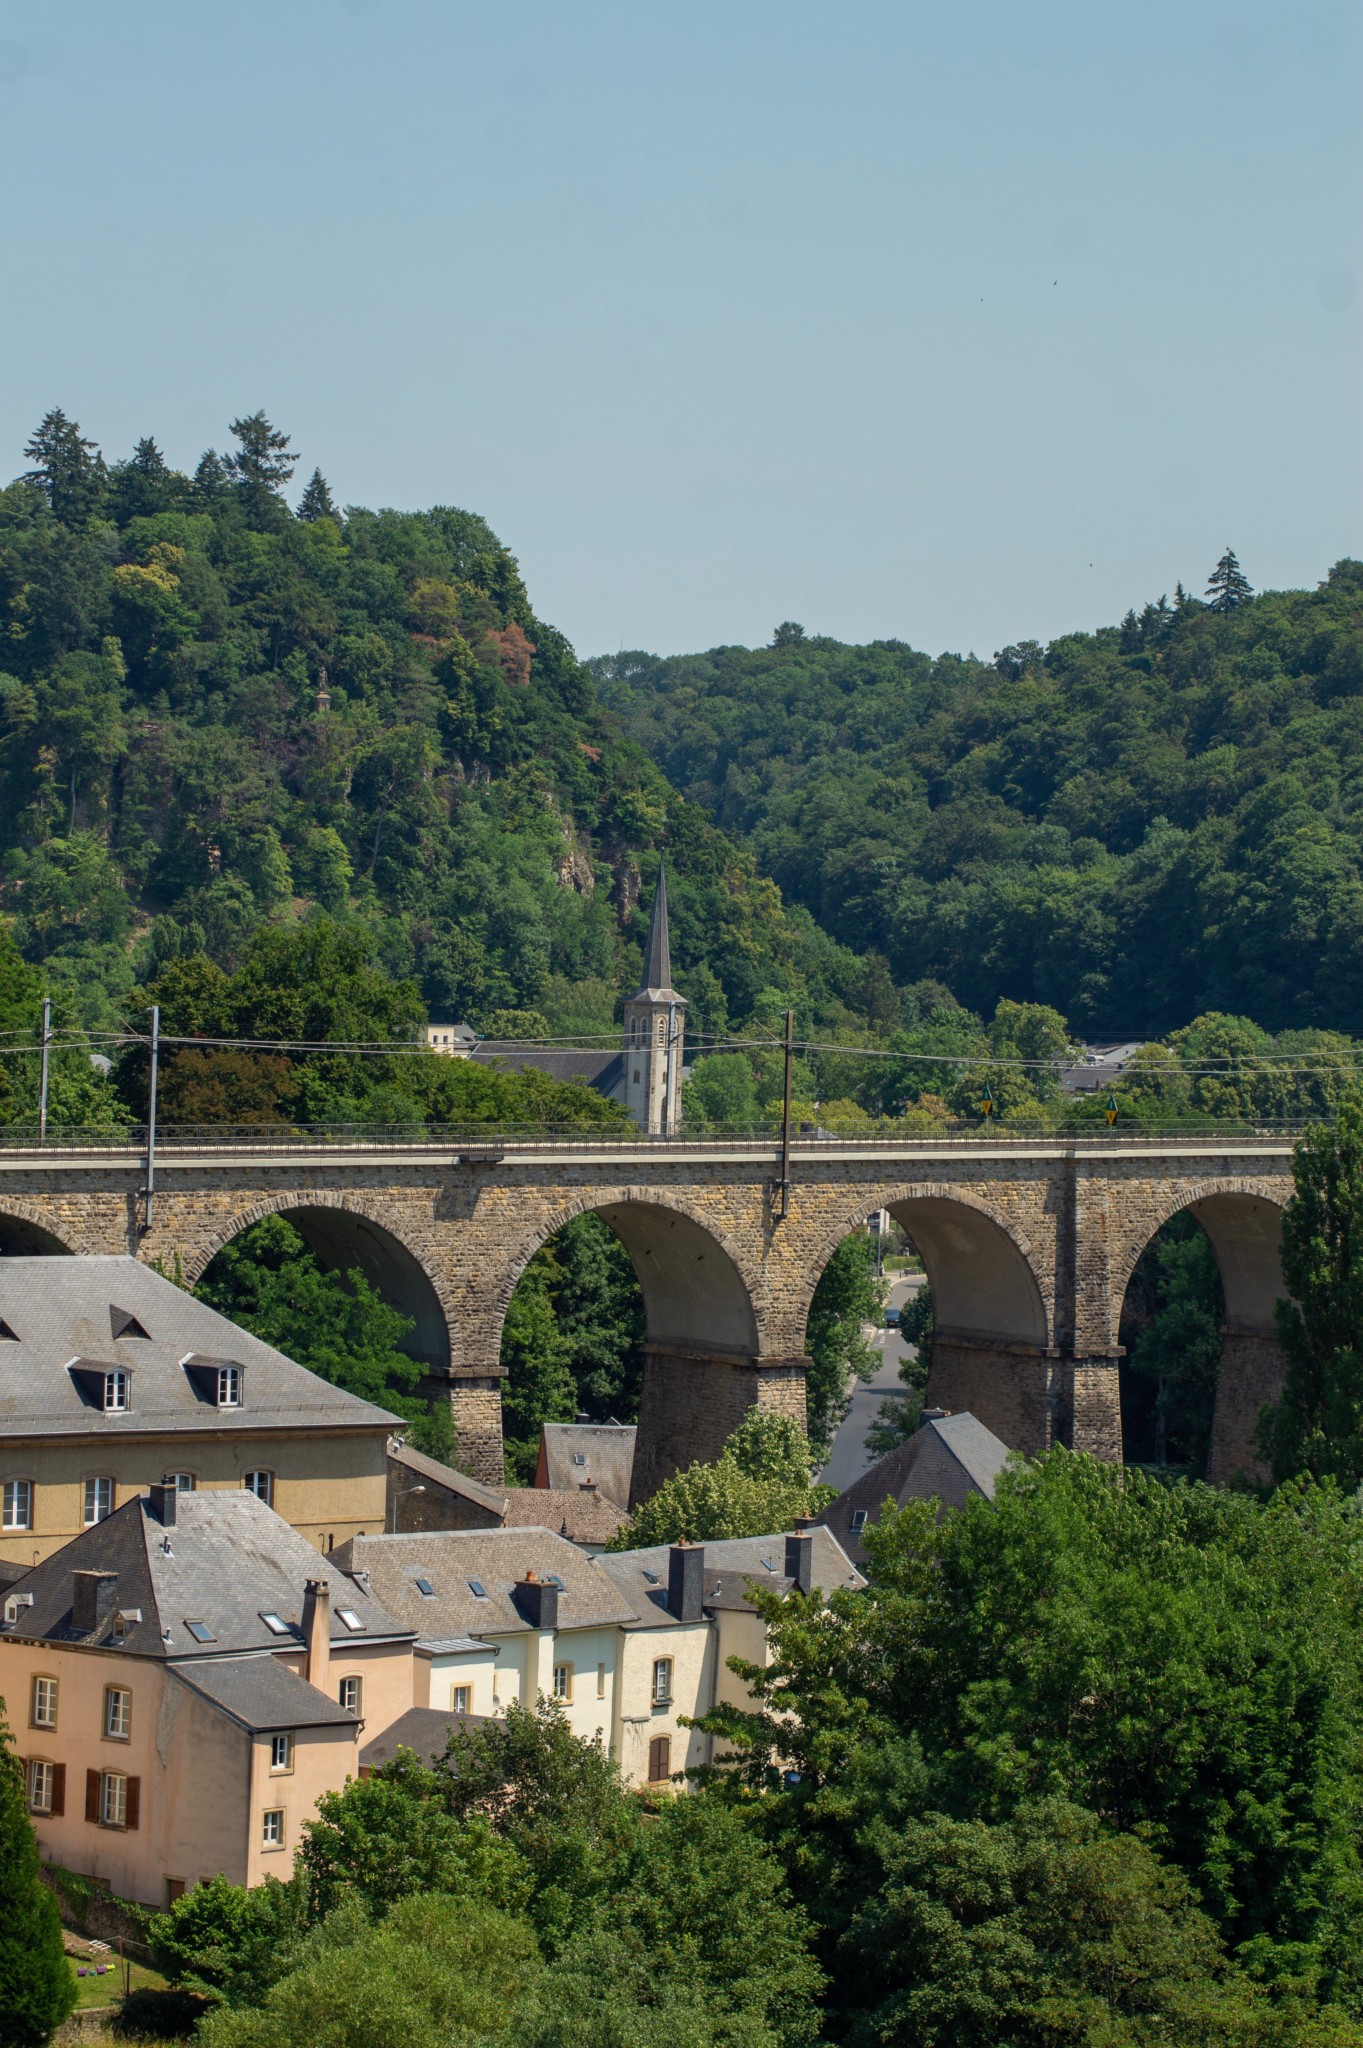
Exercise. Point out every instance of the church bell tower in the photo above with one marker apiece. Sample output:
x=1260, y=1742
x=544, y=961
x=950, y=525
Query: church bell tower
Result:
x=655, y=1017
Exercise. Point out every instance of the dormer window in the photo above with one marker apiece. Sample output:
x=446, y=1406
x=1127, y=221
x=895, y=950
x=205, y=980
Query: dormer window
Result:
x=118, y=1392
x=229, y=1386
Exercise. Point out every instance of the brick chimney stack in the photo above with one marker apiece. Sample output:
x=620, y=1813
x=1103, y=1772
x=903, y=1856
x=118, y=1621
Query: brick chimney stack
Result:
x=317, y=1632
x=800, y=1560
x=686, y=1581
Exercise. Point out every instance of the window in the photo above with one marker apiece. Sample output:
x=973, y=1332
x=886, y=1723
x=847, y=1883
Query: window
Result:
x=43, y=1711
x=563, y=1682
x=459, y=1698
x=425, y=1588
x=477, y=1589
x=662, y=1681
x=201, y=1632
x=99, y=1500
x=261, y=1484
x=118, y=1713
x=652, y=1578
x=40, y=1785
x=276, y=1624
x=281, y=1752
x=600, y=1681
x=858, y=1522
x=229, y=1386
x=16, y=1504
x=113, y=1800
x=349, y=1693
x=183, y=1482
x=272, y=1828
x=118, y=1390
x=579, y=1458
x=659, y=1759
x=350, y=1618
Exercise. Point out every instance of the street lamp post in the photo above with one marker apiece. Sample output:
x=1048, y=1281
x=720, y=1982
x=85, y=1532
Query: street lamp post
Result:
x=406, y=1493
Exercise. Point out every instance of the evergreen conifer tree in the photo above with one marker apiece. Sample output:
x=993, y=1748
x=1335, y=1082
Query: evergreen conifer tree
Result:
x=210, y=478
x=37, y=1989
x=262, y=465
x=317, y=501
x=68, y=469
x=1228, y=587
x=144, y=484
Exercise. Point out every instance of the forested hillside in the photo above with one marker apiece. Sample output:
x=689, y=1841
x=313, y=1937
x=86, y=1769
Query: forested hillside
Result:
x=219, y=716
x=1134, y=826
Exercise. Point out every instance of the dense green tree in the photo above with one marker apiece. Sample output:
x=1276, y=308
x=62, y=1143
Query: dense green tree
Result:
x=231, y=1942
x=389, y=1835
x=1171, y=1326
x=68, y=469
x=759, y=1485
x=1228, y=586
x=37, y=1987
x=317, y=501
x=899, y=1416
x=261, y=467
x=1317, y=1426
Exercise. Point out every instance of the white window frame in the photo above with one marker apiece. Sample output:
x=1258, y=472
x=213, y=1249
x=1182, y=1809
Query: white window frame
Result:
x=350, y=1693
x=461, y=1699
x=183, y=1482
x=261, y=1484
x=118, y=1714
x=281, y=1755
x=16, y=1504
x=93, y=1512
x=563, y=1691
x=662, y=1682
x=229, y=1386
x=272, y=1828
x=113, y=1799
x=43, y=1693
x=41, y=1775
x=118, y=1391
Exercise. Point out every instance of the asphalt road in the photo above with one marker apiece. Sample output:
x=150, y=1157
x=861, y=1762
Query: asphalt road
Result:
x=848, y=1458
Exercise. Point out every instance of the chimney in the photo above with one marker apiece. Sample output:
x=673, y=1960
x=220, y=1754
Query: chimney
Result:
x=933, y=1414
x=92, y=1599
x=800, y=1559
x=686, y=1581
x=586, y=1486
x=162, y=1502
x=317, y=1632
x=537, y=1601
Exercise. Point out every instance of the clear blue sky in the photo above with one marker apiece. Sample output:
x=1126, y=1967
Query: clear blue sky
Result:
x=963, y=323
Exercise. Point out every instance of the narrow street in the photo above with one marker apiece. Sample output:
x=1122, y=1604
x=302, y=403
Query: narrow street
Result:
x=848, y=1458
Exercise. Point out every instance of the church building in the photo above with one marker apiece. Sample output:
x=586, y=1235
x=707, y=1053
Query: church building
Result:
x=646, y=1076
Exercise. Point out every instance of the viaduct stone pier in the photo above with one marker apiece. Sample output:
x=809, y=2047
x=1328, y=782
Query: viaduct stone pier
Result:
x=1029, y=1243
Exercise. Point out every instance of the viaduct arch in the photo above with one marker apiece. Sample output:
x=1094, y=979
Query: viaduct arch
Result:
x=1029, y=1245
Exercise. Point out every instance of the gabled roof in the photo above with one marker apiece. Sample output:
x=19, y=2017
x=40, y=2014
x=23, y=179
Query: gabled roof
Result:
x=950, y=1458
x=424, y=1730
x=574, y=1453
x=641, y=1575
x=260, y=1694
x=581, y=1513
x=452, y=1561
x=63, y=1312
x=226, y=1562
x=602, y=1071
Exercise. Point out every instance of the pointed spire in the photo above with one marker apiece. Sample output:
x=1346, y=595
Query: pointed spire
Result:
x=658, y=960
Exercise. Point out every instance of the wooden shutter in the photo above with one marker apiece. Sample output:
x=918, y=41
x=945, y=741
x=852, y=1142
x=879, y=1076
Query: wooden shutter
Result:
x=92, y=1795
x=134, y=1801
x=659, y=1758
x=58, y=1790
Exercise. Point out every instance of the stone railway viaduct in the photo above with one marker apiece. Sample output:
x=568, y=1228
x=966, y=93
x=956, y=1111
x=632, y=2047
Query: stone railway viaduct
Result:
x=1029, y=1244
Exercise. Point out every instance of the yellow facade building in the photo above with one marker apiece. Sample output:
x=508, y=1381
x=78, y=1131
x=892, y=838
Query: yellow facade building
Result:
x=113, y=1379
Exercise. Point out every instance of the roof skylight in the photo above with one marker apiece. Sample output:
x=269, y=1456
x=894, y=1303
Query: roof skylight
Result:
x=478, y=1589
x=425, y=1588
x=276, y=1624
x=350, y=1618
x=202, y=1633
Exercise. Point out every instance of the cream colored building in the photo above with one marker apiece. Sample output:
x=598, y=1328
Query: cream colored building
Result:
x=631, y=1644
x=183, y=1682
x=113, y=1379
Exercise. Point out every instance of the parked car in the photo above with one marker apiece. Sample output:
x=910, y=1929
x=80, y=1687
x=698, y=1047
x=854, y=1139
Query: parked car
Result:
x=892, y=1318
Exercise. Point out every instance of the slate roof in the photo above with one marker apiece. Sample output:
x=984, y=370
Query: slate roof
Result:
x=63, y=1312
x=606, y=1452
x=425, y=1730
x=226, y=1562
x=728, y=1568
x=951, y=1457
x=657, y=981
x=496, y=1558
x=581, y=1513
x=261, y=1694
x=431, y=1470
x=603, y=1071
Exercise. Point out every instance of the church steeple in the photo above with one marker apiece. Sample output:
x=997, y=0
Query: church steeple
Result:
x=658, y=960
x=654, y=1026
